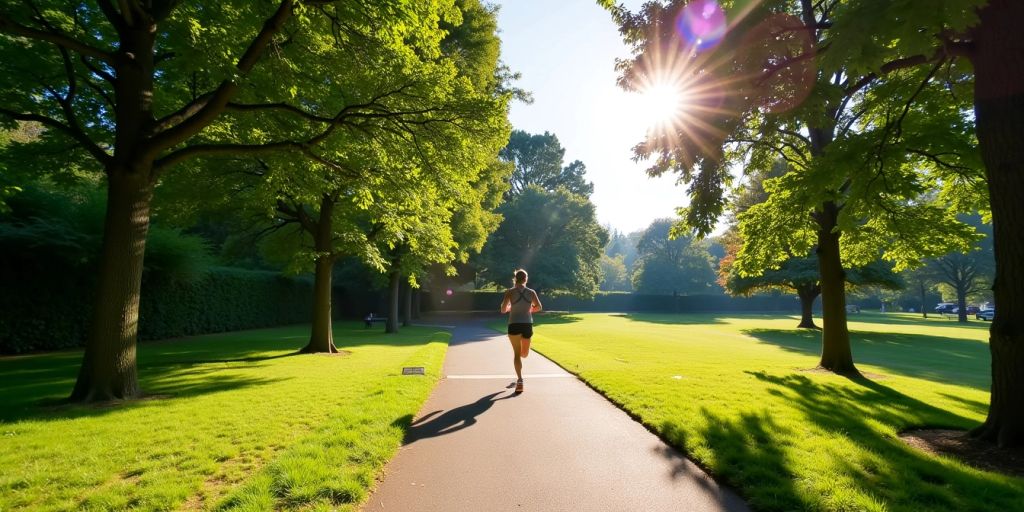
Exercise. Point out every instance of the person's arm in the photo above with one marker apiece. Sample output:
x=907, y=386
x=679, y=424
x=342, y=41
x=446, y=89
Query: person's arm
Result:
x=506, y=303
x=536, y=306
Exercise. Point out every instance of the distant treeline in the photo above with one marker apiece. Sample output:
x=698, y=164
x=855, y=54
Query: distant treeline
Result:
x=485, y=301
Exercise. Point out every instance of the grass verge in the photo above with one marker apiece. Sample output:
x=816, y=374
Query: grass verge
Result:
x=736, y=393
x=233, y=421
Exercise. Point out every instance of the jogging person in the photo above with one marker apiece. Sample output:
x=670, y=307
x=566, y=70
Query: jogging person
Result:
x=520, y=303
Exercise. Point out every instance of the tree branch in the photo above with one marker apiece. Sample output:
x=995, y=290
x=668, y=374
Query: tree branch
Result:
x=59, y=39
x=889, y=67
x=218, y=100
x=112, y=15
x=77, y=134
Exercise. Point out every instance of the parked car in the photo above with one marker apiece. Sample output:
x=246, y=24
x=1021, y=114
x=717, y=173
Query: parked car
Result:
x=945, y=308
x=852, y=308
x=973, y=310
x=985, y=314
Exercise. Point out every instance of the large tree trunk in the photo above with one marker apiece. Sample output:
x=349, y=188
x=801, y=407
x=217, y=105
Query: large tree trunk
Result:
x=924, y=298
x=393, y=293
x=407, y=307
x=999, y=115
x=109, y=370
x=807, y=294
x=961, y=303
x=321, y=336
x=835, y=338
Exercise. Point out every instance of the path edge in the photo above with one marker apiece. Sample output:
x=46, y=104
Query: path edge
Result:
x=718, y=479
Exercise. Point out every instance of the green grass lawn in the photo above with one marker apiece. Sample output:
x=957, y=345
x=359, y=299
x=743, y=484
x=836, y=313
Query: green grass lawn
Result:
x=233, y=421
x=733, y=392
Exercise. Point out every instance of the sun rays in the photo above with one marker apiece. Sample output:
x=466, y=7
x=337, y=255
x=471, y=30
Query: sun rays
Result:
x=696, y=74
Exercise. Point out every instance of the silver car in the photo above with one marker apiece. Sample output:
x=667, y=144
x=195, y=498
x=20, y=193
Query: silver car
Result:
x=985, y=314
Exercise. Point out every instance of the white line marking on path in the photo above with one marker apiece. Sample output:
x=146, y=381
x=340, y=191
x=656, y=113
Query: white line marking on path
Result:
x=526, y=376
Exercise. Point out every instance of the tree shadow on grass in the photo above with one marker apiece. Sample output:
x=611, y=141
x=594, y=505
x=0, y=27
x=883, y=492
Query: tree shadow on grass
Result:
x=762, y=458
x=438, y=423
x=934, y=358
x=36, y=386
x=747, y=456
x=886, y=468
x=556, y=318
x=933, y=320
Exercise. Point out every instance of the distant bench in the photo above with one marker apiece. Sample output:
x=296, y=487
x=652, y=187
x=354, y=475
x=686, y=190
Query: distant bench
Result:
x=371, y=319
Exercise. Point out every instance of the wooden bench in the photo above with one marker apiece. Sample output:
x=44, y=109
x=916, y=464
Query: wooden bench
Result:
x=370, y=320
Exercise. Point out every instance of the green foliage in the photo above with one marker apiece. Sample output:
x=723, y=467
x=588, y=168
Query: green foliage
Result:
x=231, y=421
x=968, y=274
x=412, y=185
x=552, y=234
x=680, y=265
x=879, y=149
x=620, y=244
x=795, y=270
x=615, y=275
x=539, y=161
x=728, y=391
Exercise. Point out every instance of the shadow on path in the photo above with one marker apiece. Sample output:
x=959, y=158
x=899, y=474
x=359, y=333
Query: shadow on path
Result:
x=436, y=423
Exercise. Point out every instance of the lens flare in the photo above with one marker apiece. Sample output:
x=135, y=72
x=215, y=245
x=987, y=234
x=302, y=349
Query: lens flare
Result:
x=702, y=24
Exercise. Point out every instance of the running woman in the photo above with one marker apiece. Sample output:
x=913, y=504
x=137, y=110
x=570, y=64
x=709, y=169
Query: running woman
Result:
x=520, y=303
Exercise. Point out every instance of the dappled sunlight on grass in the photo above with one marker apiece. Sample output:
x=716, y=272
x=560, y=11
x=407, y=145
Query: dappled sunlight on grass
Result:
x=218, y=409
x=735, y=394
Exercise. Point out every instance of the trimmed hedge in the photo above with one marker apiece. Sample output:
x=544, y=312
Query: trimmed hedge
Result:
x=488, y=301
x=41, y=311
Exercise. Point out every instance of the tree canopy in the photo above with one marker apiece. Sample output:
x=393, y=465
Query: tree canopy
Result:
x=136, y=89
x=552, y=234
x=539, y=160
x=666, y=265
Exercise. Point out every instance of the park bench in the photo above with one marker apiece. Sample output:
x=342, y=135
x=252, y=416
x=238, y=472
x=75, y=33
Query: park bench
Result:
x=370, y=319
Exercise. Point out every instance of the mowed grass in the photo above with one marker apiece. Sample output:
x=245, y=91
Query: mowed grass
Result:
x=232, y=421
x=735, y=393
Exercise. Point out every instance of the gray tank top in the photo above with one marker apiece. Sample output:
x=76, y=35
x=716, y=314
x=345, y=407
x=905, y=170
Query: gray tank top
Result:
x=522, y=301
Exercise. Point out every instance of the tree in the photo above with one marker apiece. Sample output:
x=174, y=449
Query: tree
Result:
x=615, y=276
x=142, y=87
x=966, y=273
x=538, y=160
x=679, y=265
x=920, y=281
x=554, y=235
x=387, y=191
x=770, y=90
x=620, y=244
x=798, y=273
x=940, y=34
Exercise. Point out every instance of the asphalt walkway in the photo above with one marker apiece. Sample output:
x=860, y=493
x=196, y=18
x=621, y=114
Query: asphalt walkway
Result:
x=559, y=446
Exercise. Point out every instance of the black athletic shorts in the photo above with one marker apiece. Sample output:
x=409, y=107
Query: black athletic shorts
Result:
x=525, y=329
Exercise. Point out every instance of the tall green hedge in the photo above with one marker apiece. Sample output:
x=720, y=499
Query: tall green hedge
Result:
x=52, y=311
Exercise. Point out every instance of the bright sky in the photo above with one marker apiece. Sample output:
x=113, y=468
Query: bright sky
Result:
x=566, y=52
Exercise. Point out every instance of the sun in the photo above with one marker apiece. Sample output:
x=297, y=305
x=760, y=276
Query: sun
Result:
x=661, y=104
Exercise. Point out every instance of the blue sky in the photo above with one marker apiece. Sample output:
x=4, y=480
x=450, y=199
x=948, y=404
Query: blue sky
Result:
x=566, y=50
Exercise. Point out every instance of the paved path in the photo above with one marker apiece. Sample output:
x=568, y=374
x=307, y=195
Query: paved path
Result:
x=559, y=446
